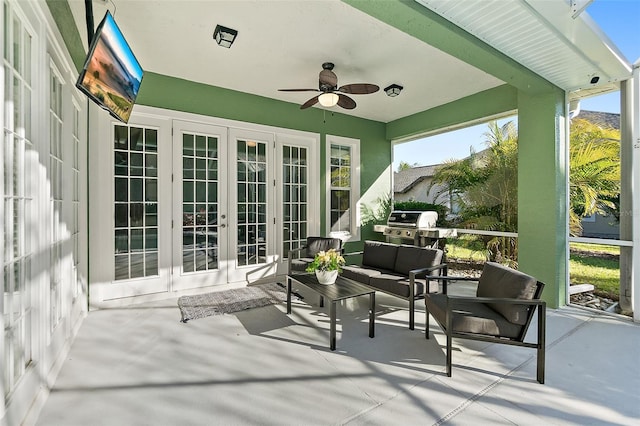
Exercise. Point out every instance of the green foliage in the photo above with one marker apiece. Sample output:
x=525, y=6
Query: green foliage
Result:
x=466, y=247
x=329, y=260
x=485, y=187
x=406, y=166
x=594, y=177
x=377, y=214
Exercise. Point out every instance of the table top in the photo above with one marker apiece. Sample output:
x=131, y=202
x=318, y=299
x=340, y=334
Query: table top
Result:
x=343, y=288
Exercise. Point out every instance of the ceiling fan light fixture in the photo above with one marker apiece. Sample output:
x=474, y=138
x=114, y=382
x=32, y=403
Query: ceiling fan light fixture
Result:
x=393, y=90
x=224, y=36
x=328, y=99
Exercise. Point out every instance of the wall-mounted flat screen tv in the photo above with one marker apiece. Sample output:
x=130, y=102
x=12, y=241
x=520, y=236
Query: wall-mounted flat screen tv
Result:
x=111, y=75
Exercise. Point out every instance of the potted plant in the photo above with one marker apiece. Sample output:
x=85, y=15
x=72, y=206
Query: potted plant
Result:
x=326, y=266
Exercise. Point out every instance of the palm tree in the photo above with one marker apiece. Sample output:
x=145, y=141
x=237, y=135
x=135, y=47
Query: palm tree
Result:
x=485, y=185
x=594, y=167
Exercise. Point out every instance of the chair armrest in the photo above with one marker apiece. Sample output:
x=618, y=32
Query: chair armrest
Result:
x=446, y=278
x=290, y=257
x=537, y=302
x=419, y=273
x=354, y=253
x=294, y=251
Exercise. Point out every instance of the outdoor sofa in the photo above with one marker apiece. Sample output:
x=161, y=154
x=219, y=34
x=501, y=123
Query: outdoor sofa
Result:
x=398, y=270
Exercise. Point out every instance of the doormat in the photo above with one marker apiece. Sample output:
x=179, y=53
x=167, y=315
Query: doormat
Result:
x=234, y=300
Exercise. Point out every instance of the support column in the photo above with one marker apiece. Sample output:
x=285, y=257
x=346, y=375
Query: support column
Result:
x=542, y=191
x=628, y=220
x=635, y=138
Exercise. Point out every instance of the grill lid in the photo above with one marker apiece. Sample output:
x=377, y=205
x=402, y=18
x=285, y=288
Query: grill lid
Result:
x=411, y=219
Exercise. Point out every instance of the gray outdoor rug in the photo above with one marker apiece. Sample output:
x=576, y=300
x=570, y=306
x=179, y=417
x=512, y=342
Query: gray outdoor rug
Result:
x=234, y=300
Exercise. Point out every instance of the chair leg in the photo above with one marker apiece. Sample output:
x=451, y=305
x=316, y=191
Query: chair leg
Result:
x=449, y=344
x=541, y=343
x=426, y=323
x=412, y=313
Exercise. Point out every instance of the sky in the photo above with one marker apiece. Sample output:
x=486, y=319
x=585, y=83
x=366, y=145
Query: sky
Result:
x=618, y=19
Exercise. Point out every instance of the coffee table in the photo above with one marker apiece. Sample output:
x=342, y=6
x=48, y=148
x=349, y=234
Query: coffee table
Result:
x=342, y=289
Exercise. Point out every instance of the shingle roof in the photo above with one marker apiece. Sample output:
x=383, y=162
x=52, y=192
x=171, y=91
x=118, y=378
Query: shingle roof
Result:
x=602, y=119
x=404, y=180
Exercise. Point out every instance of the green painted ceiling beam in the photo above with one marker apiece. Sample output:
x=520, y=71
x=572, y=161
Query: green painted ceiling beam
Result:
x=426, y=25
x=488, y=103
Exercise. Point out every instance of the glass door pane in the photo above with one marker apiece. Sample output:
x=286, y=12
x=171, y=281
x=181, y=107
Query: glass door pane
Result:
x=199, y=202
x=200, y=233
x=251, y=181
x=135, y=202
x=295, y=188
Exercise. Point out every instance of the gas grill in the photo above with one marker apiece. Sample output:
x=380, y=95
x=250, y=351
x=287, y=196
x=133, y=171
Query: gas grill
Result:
x=415, y=228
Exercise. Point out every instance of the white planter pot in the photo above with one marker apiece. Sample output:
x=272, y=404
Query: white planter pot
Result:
x=326, y=277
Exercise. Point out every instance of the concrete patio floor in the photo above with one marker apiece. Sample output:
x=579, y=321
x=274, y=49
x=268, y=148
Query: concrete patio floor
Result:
x=140, y=366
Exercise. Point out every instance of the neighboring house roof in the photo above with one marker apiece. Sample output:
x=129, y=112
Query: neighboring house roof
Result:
x=404, y=180
x=602, y=119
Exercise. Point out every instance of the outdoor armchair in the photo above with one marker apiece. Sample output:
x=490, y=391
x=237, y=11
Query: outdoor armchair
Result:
x=501, y=311
x=298, y=259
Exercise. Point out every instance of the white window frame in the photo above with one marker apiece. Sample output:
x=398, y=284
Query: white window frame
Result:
x=354, y=201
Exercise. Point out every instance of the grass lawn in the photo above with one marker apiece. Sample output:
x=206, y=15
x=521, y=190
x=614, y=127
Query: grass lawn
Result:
x=598, y=265
x=588, y=263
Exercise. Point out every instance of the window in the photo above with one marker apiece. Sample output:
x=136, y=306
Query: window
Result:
x=343, y=174
x=17, y=152
x=56, y=165
x=75, y=172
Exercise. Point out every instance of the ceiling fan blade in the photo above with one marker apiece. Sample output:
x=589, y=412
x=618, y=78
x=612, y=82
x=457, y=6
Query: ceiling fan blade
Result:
x=346, y=102
x=359, y=88
x=298, y=90
x=310, y=102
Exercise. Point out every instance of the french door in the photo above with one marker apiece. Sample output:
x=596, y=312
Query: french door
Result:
x=198, y=204
x=223, y=192
x=200, y=217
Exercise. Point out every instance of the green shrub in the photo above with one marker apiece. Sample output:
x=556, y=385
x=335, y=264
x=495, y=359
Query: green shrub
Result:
x=421, y=207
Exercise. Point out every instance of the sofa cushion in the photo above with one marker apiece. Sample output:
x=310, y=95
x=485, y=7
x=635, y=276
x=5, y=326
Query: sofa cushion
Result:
x=379, y=255
x=471, y=317
x=399, y=284
x=503, y=282
x=358, y=273
x=412, y=257
x=318, y=244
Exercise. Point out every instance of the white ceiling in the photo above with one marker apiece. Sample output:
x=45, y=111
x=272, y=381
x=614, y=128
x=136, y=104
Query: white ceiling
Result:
x=282, y=44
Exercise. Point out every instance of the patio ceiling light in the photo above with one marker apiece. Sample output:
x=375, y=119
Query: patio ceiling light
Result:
x=393, y=90
x=328, y=99
x=224, y=36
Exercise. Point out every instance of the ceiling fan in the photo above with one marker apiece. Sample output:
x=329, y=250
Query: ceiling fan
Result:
x=331, y=94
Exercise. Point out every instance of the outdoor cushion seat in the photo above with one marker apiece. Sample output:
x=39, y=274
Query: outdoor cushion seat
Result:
x=359, y=273
x=399, y=285
x=501, y=311
x=300, y=258
x=397, y=270
x=472, y=317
